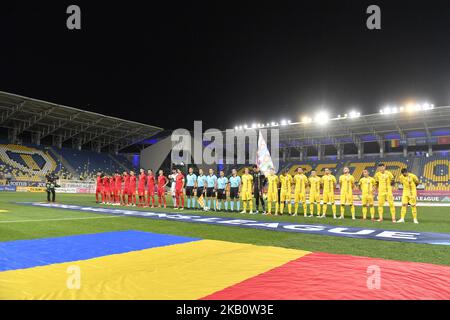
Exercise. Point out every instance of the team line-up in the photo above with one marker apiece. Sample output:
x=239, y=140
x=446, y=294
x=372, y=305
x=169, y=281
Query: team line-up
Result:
x=209, y=192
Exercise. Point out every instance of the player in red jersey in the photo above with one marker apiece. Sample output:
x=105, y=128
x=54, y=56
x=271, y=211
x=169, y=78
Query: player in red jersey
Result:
x=141, y=187
x=106, y=191
x=99, y=188
x=132, y=190
x=126, y=187
x=117, y=188
x=179, y=187
x=150, y=188
x=162, y=183
x=111, y=189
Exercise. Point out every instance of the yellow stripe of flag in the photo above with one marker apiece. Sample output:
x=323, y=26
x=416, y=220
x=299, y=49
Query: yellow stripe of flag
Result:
x=183, y=271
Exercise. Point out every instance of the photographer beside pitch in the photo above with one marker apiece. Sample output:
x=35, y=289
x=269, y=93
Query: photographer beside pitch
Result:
x=51, y=185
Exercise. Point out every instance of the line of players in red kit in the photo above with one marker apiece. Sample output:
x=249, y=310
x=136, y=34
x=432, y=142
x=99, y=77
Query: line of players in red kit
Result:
x=128, y=190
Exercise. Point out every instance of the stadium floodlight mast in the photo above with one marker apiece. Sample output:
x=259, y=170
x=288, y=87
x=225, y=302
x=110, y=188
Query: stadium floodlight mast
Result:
x=386, y=110
x=306, y=120
x=321, y=118
x=410, y=107
x=256, y=125
x=353, y=114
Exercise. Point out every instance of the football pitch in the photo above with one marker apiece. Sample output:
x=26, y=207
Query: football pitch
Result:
x=19, y=222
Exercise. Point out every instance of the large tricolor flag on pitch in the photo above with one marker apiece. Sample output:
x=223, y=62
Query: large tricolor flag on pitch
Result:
x=263, y=158
x=131, y=264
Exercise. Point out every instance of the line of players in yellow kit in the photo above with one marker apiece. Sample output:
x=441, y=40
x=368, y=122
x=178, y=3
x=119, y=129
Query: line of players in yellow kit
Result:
x=382, y=182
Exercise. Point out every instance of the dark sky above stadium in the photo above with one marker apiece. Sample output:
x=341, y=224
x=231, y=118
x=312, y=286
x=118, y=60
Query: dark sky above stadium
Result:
x=226, y=62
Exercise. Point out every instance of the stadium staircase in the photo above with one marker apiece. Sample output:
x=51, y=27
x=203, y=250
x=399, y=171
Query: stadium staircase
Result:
x=119, y=163
x=67, y=166
x=416, y=166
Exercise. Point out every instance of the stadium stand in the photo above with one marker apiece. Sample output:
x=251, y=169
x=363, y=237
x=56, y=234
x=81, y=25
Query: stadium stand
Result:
x=87, y=163
x=35, y=134
x=32, y=163
x=436, y=173
x=418, y=140
x=23, y=163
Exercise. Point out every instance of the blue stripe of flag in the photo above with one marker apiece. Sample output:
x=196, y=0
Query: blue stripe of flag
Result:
x=23, y=254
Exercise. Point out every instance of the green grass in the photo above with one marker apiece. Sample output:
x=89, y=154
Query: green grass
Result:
x=37, y=223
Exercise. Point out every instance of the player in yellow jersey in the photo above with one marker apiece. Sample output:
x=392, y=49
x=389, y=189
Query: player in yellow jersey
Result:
x=409, y=195
x=300, y=181
x=246, y=191
x=384, y=180
x=272, y=191
x=286, y=191
x=314, y=193
x=367, y=186
x=328, y=184
x=347, y=184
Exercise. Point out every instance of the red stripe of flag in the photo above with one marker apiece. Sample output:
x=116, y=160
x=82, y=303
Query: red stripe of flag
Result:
x=324, y=276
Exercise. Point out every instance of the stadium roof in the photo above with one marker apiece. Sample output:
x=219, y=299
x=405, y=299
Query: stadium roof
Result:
x=426, y=124
x=22, y=114
x=424, y=127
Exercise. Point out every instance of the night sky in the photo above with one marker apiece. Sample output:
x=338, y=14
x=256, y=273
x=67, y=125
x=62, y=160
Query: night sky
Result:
x=226, y=62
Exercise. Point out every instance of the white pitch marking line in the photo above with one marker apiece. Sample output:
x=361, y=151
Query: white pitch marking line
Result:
x=61, y=219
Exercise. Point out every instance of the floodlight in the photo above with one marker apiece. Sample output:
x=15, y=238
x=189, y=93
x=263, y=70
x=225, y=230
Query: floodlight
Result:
x=322, y=117
x=354, y=114
x=306, y=120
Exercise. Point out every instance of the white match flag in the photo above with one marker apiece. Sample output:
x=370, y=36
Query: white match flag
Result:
x=263, y=158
